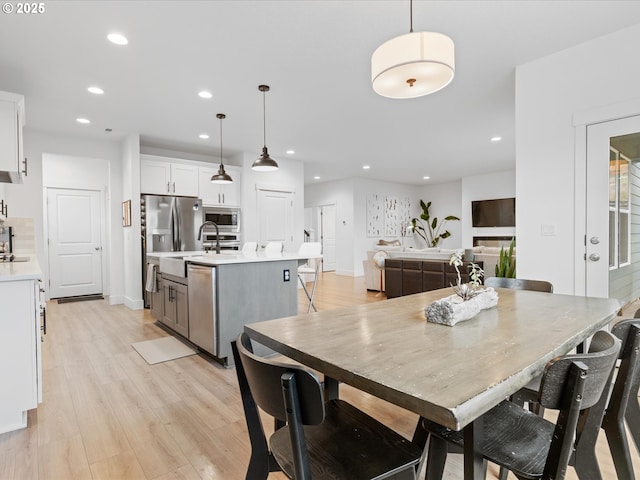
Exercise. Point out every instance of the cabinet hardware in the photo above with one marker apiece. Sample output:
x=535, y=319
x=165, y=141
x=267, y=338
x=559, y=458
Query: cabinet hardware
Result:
x=168, y=189
x=174, y=187
x=24, y=162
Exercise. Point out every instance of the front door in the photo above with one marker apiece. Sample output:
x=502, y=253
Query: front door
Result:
x=275, y=213
x=75, y=247
x=613, y=208
x=328, y=237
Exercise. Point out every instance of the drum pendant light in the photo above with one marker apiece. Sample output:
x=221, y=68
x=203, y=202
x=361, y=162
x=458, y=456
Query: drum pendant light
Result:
x=221, y=177
x=413, y=65
x=264, y=163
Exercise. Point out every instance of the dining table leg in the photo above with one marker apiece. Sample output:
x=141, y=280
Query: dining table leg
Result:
x=473, y=461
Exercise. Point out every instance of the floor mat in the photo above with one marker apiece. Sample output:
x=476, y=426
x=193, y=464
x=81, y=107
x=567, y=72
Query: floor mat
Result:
x=162, y=349
x=80, y=298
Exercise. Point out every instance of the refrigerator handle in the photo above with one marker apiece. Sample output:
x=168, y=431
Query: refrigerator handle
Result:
x=176, y=222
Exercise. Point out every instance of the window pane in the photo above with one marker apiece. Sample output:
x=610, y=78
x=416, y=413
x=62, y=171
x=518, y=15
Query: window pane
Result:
x=612, y=238
x=623, y=172
x=613, y=176
x=623, y=247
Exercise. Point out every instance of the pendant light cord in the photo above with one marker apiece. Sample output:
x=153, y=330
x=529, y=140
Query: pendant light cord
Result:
x=221, y=142
x=410, y=16
x=264, y=119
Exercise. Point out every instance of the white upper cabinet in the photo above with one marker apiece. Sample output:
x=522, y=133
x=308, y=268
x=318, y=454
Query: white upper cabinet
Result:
x=166, y=178
x=11, y=123
x=227, y=195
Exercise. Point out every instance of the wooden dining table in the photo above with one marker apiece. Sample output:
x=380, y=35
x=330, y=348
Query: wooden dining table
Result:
x=450, y=375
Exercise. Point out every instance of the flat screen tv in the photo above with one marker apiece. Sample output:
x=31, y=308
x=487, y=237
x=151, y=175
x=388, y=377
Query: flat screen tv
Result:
x=500, y=212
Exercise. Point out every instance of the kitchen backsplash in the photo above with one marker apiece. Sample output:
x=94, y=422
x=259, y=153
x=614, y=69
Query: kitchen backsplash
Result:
x=24, y=240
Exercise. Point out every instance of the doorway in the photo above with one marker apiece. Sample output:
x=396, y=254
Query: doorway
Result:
x=74, y=242
x=612, y=259
x=275, y=214
x=327, y=229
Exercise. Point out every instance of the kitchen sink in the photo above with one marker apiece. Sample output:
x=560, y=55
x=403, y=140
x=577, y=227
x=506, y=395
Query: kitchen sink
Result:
x=173, y=266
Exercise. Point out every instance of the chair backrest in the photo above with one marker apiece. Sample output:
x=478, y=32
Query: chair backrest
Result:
x=264, y=378
x=573, y=384
x=274, y=248
x=599, y=362
x=249, y=247
x=519, y=284
x=310, y=249
x=628, y=379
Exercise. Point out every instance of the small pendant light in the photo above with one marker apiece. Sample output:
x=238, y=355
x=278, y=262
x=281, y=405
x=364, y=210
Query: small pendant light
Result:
x=265, y=163
x=221, y=177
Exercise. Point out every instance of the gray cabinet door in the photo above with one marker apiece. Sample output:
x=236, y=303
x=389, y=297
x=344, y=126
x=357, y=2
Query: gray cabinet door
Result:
x=181, y=303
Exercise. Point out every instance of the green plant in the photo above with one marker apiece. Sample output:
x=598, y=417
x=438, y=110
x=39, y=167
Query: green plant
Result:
x=506, y=266
x=432, y=233
x=469, y=290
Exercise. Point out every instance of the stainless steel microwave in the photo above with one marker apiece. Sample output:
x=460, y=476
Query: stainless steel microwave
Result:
x=227, y=219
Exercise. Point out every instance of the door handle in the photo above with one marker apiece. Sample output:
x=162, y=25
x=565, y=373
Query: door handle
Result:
x=98, y=248
x=594, y=257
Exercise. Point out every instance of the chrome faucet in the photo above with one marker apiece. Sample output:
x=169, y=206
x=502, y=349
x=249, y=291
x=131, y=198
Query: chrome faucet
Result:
x=217, y=234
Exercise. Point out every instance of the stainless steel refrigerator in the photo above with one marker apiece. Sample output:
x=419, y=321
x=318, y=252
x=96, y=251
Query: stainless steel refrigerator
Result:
x=169, y=224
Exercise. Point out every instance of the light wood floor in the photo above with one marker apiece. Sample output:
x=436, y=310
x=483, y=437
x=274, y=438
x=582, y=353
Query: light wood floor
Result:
x=107, y=414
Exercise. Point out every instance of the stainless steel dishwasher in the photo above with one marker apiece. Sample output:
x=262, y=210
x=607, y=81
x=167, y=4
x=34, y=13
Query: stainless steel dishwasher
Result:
x=203, y=321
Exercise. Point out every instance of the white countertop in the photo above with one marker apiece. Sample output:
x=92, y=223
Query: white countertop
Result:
x=227, y=258
x=12, y=271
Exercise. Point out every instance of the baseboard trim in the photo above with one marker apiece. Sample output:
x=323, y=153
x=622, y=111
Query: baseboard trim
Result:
x=133, y=304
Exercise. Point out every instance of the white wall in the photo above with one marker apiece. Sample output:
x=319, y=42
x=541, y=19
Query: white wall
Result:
x=549, y=92
x=485, y=187
x=131, y=236
x=26, y=199
x=445, y=200
x=290, y=174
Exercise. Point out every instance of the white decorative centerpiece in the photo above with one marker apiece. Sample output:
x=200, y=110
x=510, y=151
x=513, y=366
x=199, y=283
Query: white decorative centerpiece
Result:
x=469, y=298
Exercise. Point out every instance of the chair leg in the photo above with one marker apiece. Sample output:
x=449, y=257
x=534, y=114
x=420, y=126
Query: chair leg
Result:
x=310, y=297
x=632, y=416
x=503, y=474
x=619, y=446
x=313, y=290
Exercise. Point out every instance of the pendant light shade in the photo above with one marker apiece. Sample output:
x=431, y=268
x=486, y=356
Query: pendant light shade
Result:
x=221, y=177
x=413, y=65
x=264, y=163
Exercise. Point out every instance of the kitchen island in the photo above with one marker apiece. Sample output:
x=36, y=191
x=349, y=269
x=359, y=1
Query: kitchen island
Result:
x=208, y=298
x=20, y=348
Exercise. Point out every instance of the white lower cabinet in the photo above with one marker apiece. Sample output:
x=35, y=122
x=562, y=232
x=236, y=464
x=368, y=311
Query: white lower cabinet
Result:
x=20, y=352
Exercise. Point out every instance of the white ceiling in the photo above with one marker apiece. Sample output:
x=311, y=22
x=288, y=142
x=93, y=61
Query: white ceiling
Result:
x=315, y=55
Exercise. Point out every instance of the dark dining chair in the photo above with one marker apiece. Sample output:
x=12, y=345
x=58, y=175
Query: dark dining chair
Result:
x=612, y=410
x=525, y=443
x=315, y=439
x=519, y=284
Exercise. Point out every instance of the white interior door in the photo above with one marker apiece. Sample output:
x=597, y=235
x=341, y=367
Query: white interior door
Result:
x=328, y=237
x=275, y=211
x=612, y=236
x=75, y=246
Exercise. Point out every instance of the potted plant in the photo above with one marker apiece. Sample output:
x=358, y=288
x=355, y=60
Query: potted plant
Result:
x=431, y=231
x=506, y=266
x=469, y=290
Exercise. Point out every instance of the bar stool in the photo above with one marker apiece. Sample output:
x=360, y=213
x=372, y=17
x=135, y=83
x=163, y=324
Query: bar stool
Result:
x=311, y=251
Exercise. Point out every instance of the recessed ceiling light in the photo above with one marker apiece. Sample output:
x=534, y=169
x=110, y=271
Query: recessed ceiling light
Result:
x=426, y=177
x=366, y=167
x=205, y=94
x=95, y=90
x=117, y=38
x=290, y=152
x=204, y=136
x=496, y=139
x=316, y=178
x=83, y=120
